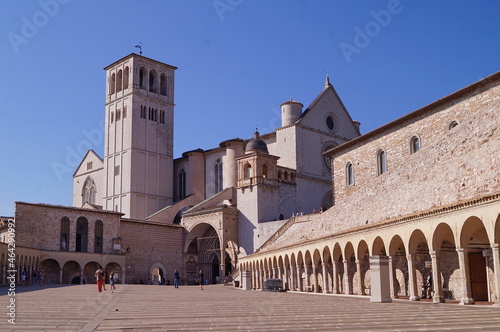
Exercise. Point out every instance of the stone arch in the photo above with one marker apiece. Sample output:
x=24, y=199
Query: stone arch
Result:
x=116, y=269
x=362, y=266
x=349, y=268
x=475, y=240
x=51, y=271
x=397, y=251
x=157, y=272
x=378, y=247
x=72, y=273
x=89, y=272
x=443, y=243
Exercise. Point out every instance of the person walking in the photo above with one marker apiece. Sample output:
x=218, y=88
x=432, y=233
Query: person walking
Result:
x=112, y=281
x=99, y=276
x=176, y=278
x=202, y=278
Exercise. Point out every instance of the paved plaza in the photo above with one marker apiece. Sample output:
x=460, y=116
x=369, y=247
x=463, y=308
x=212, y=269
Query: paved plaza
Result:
x=220, y=308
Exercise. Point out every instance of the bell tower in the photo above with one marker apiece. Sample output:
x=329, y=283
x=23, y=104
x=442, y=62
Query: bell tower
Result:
x=138, y=147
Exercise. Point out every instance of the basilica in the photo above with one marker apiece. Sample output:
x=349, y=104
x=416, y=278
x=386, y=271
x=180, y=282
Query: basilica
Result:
x=313, y=203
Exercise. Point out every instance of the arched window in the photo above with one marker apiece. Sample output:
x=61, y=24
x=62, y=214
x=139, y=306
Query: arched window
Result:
x=414, y=144
x=89, y=191
x=126, y=74
x=281, y=217
x=64, y=234
x=112, y=83
x=218, y=175
x=248, y=171
x=142, y=78
x=264, y=171
x=163, y=84
x=349, y=170
x=153, y=85
x=98, y=236
x=279, y=175
x=381, y=162
x=452, y=124
x=285, y=176
x=119, y=81
x=81, y=234
x=182, y=184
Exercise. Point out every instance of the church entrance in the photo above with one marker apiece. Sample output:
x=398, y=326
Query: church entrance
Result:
x=478, y=277
x=204, y=249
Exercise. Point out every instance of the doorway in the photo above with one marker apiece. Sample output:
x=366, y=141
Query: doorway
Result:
x=478, y=277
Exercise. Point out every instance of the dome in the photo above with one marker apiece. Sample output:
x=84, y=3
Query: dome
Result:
x=256, y=144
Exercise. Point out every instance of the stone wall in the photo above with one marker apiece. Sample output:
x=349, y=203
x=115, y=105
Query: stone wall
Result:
x=452, y=165
x=39, y=226
x=149, y=245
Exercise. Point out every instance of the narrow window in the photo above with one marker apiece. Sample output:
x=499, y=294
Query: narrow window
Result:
x=142, y=78
x=81, y=234
x=64, y=234
x=126, y=78
x=98, y=234
x=218, y=175
x=248, y=171
x=414, y=144
x=117, y=170
x=182, y=184
x=163, y=84
x=89, y=191
x=119, y=80
x=112, y=117
x=381, y=162
x=264, y=171
x=349, y=174
x=152, y=81
x=124, y=112
x=112, y=83
x=118, y=115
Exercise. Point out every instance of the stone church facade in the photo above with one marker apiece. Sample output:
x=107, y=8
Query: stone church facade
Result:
x=422, y=192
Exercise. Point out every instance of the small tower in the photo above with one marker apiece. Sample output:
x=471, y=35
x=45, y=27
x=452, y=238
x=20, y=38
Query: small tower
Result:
x=257, y=190
x=290, y=112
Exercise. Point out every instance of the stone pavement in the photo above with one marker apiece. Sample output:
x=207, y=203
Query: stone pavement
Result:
x=219, y=308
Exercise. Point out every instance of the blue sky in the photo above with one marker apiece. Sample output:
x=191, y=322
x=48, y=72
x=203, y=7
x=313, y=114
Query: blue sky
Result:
x=238, y=61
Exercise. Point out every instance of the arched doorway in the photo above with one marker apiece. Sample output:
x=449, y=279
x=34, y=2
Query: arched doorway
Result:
x=204, y=248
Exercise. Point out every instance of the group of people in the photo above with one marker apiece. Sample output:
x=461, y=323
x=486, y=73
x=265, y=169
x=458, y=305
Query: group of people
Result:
x=37, y=275
x=100, y=276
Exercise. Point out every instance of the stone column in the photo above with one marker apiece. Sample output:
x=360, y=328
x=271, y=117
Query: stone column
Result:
x=392, y=279
x=306, y=272
x=315, y=279
x=335, y=278
x=81, y=277
x=412, y=278
x=463, y=259
x=291, y=277
x=282, y=276
x=495, y=250
x=299, y=277
x=437, y=283
x=361, y=284
x=61, y=275
x=347, y=283
x=325, y=278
